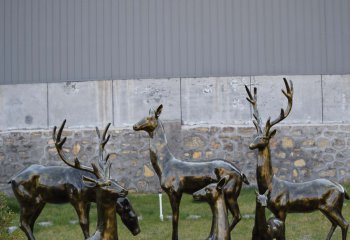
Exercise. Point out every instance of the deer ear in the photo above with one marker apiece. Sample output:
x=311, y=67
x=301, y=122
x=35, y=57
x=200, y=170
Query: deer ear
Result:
x=151, y=111
x=217, y=173
x=221, y=183
x=272, y=133
x=267, y=192
x=159, y=110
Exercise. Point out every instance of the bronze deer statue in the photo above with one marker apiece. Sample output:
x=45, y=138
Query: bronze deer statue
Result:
x=287, y=197
x=270, y=229
x=37, y=185
x=214, y=196
x=107, y=190
x=177, y=176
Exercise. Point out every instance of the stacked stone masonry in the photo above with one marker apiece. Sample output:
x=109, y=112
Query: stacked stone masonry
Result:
x=299, y=152
x=205, y=118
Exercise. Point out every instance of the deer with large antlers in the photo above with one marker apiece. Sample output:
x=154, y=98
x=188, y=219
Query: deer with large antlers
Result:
x=287, y=197
x=37, y=185
x=107, y=189
x=177, y=176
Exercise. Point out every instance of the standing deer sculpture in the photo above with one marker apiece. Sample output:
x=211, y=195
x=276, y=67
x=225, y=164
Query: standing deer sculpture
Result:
x=270, y=229
x=177, y=176
x=287, y=197
x=214, y=196
x=107, y=190
x=37, y=185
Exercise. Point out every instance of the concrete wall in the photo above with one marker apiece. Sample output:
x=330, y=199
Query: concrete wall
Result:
x=204, y=118
x=317, y=99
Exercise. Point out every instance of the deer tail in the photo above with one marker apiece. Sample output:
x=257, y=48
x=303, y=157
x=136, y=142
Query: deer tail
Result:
x=245, y=179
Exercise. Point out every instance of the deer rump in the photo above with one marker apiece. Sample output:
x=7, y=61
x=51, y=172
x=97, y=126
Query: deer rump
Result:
x=319, y=193
x=58, y=185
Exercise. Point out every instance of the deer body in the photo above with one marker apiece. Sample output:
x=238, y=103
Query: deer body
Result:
x=214, y=196
x=319, y=194
x=177, y=176
x=266, y=230
x=37, y=185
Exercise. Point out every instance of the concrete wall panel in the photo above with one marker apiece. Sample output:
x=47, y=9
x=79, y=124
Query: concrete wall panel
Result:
x=23, y=106
x=133, y=99
x=307, y=99
x=83, y=104
x=336, y=98
x=214, y=100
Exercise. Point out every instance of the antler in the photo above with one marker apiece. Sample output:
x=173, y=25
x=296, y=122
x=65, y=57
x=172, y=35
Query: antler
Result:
x=253, y=101
x=104, y=164
x=284, y=113
x=59, y=144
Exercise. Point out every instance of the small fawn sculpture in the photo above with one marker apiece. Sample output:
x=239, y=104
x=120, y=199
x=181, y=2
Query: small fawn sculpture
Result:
x=266, y=230
x=214, y=196
x=37, y=185
x=320, y=194
x=177, y=177
x=107, y=190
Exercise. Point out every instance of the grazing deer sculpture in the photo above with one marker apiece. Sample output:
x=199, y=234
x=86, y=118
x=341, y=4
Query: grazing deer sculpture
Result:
x=37, y=185
x=107, y=190
x=213, y=194
x=270, y=229
x=177, y=176
x=285, y=197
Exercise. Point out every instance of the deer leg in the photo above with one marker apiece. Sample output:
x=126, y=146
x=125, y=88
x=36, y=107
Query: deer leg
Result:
x=26, y=215
x=35, y=216
x=175, y=204
x=233, y=207
x=83, y=209
x=339, y=220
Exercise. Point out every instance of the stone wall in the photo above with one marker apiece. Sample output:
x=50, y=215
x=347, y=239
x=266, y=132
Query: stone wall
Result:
x=299, y=152
x=205, y=118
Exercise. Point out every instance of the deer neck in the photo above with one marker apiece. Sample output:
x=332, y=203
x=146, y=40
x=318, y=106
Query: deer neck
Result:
x=106, y=219
x=264, y=169
x=159, y=150
x=260, y=218
x=220, y=226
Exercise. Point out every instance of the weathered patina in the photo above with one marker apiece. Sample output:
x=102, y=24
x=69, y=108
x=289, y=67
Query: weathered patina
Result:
x=213, y=194
x=287, y=197
x=177, y=176
x=270, y=229
x=37, y=185
x=107, y=190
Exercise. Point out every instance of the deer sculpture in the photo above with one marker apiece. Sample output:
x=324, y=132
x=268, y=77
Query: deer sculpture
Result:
x=287, y=197
x=270, y=229
x=214, y=196
x=37, y=185
x=107, y=190
x=177, y=176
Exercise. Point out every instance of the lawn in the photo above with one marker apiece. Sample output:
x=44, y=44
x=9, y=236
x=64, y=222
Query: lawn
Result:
x=299, y=226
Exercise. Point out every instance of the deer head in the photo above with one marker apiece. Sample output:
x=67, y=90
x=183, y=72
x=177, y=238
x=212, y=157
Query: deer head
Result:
x=264, y=133
x=106, y=186
x=129, y=217
x=211, y=192
x=149, y=123
x=262, y=199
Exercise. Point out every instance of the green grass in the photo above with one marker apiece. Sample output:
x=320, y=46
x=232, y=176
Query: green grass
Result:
x=299, y=226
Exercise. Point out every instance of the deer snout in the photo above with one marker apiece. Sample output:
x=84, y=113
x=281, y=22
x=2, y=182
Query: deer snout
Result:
x=135, y=127
x=252, y=146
